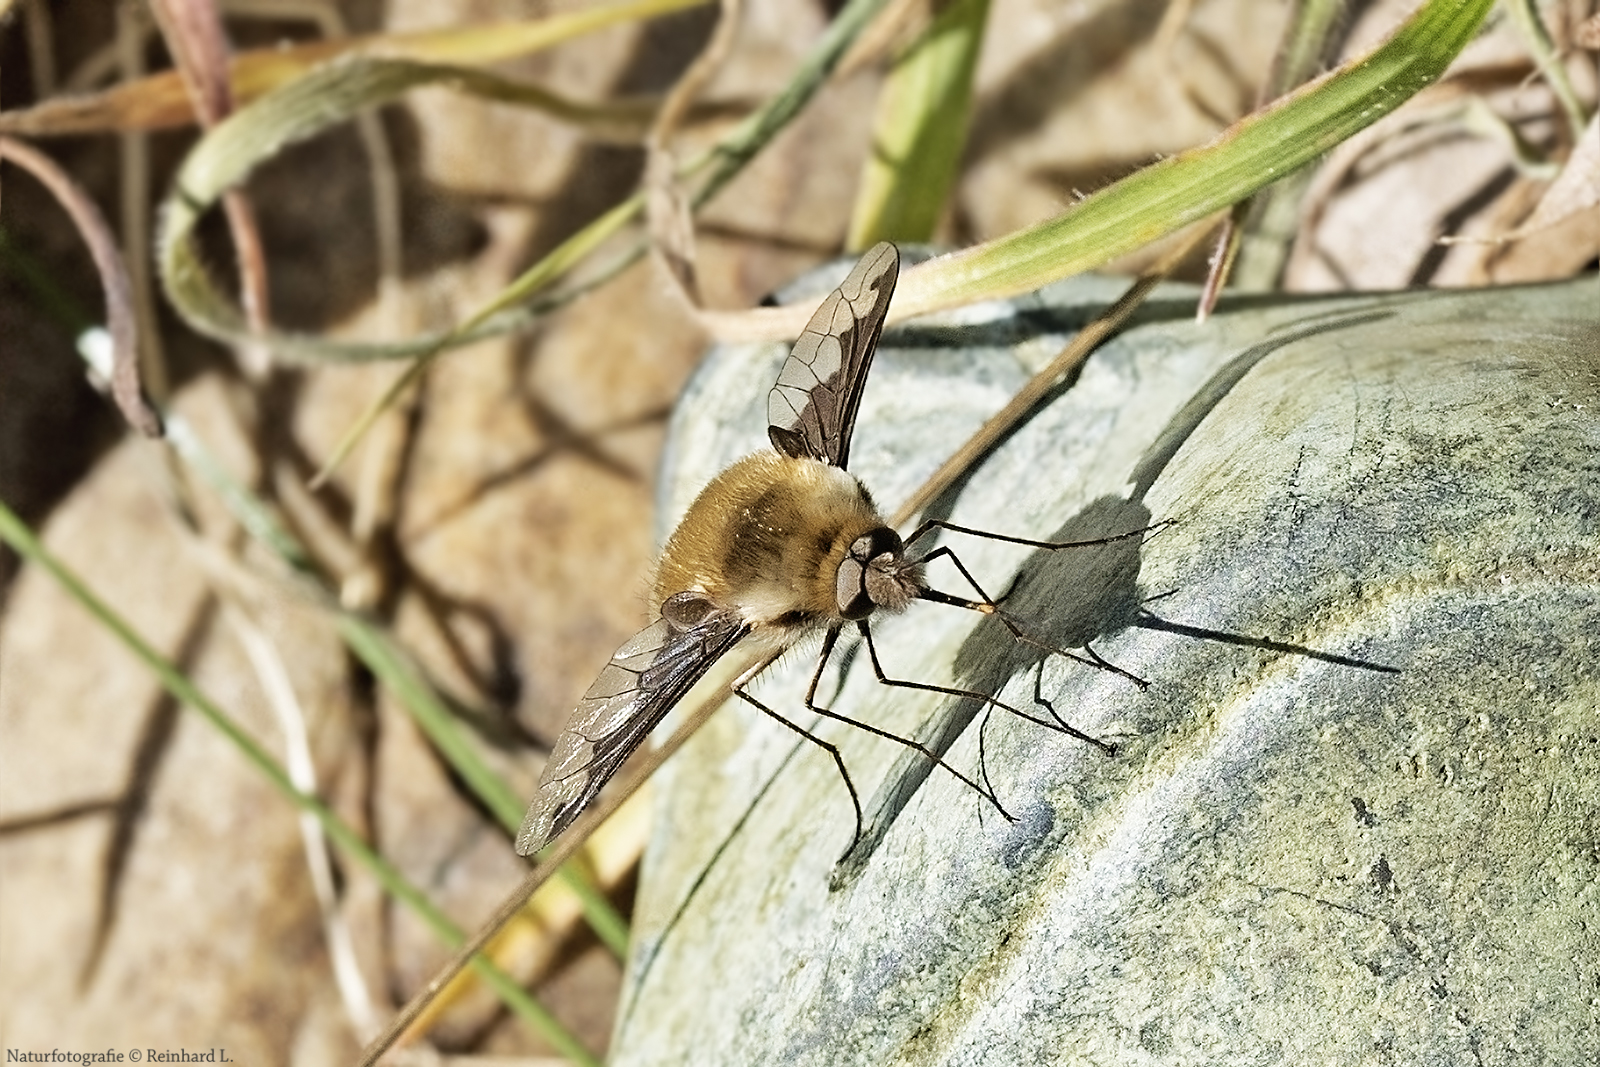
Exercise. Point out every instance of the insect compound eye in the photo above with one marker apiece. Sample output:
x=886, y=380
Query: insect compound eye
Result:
x=880, y=542
x=850, y=588
x=858, y=579
x=686, y=610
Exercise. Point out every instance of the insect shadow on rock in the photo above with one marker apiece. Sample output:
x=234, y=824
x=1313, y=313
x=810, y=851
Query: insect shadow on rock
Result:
x=781, y=545
x=1070, y=599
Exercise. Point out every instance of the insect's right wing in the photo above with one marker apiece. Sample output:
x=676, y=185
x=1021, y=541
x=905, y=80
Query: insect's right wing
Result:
x=812, y=410
x=645, y=678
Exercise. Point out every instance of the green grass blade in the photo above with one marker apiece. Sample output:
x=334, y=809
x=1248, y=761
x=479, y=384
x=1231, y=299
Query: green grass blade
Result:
x=719, y=164
x=16, y=533
x=921, y=130
x=1172, y=194
x=715, y=168
x=379, y=652
x=1525, y=13
x=1266, y=224
x=386, y=661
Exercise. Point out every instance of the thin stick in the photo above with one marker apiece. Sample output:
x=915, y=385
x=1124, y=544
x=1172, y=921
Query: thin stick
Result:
x=550, y=860
x=1042, y=384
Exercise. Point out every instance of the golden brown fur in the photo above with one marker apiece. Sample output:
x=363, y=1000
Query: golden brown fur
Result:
x=766, y=539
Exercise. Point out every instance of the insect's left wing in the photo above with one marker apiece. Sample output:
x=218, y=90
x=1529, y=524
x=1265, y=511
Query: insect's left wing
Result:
x=812, y=410
x=645, y=678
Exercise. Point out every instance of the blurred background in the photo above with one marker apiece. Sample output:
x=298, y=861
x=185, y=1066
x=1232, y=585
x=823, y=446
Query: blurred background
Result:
x=495, y=526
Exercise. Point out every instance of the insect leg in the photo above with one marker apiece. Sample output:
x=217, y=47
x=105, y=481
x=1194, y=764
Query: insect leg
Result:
x=983, y=757
x=929, y=525
x=1060, y=725
x=1043, y=701
x=749, y=676
x=987, y=606
x=923, y=750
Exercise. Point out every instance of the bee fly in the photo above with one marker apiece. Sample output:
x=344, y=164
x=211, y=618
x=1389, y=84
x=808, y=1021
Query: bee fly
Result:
x=779, y=546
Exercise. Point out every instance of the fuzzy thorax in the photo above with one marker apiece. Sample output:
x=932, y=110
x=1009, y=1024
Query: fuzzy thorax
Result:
x=788, y=542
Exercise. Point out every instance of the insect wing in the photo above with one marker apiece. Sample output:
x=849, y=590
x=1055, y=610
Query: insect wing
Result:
x=645, y=678
x=812, y=410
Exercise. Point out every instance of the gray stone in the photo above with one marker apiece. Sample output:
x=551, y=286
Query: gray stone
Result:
x=1354, y=819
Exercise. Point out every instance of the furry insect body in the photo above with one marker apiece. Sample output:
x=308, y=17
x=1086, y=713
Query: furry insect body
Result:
x=780, y=545
x=790, y=544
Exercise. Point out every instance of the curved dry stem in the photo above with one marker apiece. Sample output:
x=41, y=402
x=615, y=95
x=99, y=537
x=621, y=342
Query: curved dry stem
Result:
x=120, y=319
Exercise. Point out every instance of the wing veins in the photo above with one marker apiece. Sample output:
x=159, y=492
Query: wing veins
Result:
x=811, y=410
x=623, y=704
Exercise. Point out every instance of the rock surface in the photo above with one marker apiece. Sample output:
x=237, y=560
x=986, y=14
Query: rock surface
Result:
x=1354, y=818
